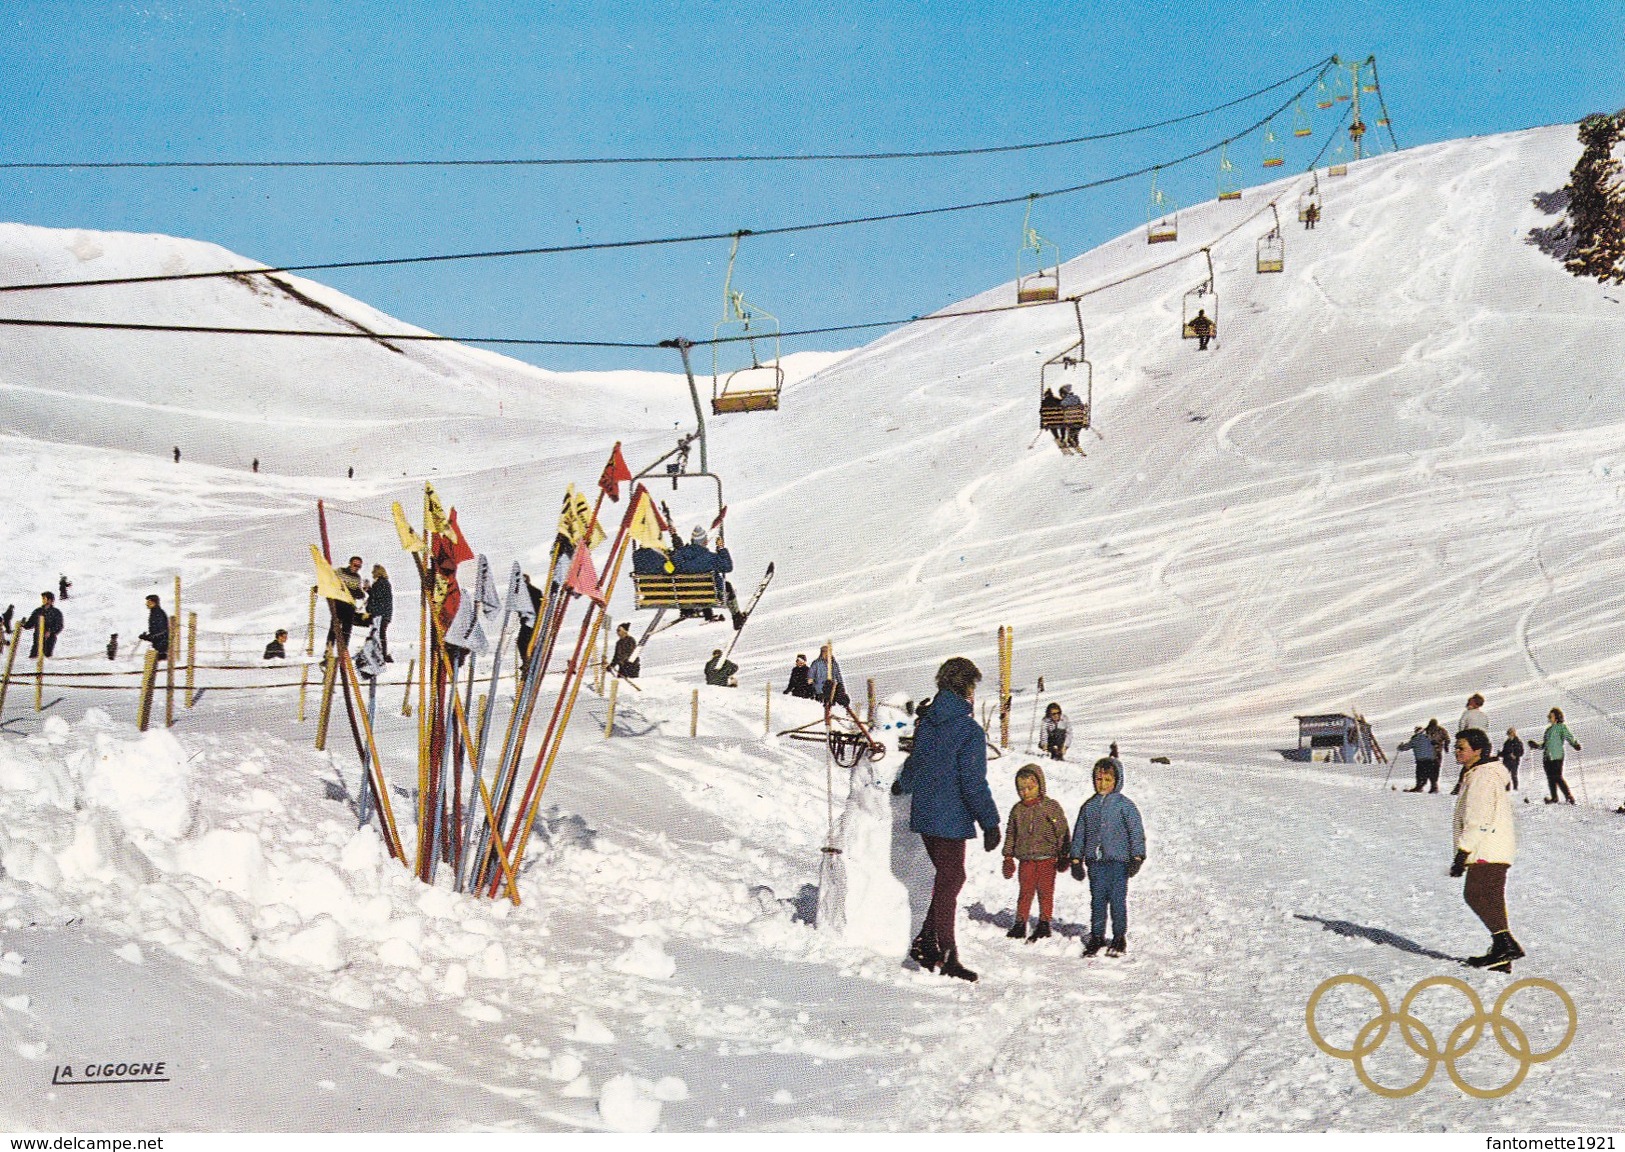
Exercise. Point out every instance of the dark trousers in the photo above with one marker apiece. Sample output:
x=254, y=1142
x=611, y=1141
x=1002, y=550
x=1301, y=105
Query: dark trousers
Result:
x=948, y=858
x=50, y=650
x=1512, y=771
x=1486, y=894
x=1427, y=774
x=1554, y=775
x=1037, y=879
x=1201, y=343
x=1108, y=891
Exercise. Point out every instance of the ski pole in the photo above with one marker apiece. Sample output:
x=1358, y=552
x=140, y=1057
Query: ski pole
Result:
x=1580, y=771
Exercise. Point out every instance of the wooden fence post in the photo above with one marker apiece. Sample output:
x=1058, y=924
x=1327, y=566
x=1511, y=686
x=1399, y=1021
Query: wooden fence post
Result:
x=11, y=656
x=304, y=681
x=330, y=667
x=149, y=677
x=310, y=625
x=872, y=704
x=39, y=665
x=191, y=657
x=609, y=716
x=694, y=714
x=169, y=666
x=406, y=700
x=767, y=709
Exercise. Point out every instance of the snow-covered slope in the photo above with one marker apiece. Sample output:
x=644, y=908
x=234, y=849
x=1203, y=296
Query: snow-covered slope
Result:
x=1389, y=483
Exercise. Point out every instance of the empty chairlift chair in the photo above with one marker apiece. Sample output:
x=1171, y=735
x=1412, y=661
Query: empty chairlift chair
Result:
x=1274, y=153
x=1162, y=217
x=743, y=379
x=1228, y=189
x=1038, y=265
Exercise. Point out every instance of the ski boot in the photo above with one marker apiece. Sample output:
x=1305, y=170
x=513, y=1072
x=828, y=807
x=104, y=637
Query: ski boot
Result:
x=1019, y=932
x=925, y=952
x=952, y=967
x=1096, y=943
x=1041, y=932
x=1117, y=947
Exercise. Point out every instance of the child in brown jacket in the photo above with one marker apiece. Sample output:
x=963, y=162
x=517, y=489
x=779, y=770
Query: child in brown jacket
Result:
x=1036, y=841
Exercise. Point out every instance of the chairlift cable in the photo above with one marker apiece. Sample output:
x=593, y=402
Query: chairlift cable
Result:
x=609, y=245
x=564, y=161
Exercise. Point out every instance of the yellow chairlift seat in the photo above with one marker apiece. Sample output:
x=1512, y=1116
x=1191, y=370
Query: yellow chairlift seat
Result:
x=1037, y=288
x=1230, y=194
x=1049, y=418
x=754, y=400
x=1300, y=121
x=1163, y=231
x=676, y=590
x=1274, y=156
x=1337, y=169
x=744, y=330
x=1271, y=252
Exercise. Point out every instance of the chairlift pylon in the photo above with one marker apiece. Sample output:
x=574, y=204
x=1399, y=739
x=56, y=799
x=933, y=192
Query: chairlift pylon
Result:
x=1037, y=281
x=1272, y=247
x=1069, y=368
x=737, y=386
x=1162, y=217
x=1197, y=302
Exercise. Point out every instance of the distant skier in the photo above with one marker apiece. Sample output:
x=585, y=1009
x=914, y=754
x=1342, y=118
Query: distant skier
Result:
x=1311, y=217
x=277, y=649
x=157, y=633
x=256, y=464
x=947, y=776
x=719, y=672
x=62, y=586
x=5, y=625
x=827, y=683
x=1202, y=328
x=1055, y=734
x=1511, y=754
x=177, y=453
x=381, y=608
x=47, y=617
x=1426, y=754
x=112, y=646
x=800, y=680
x=349, y=473
x=1485, y=845
x=624, y=663
x=1551, y=744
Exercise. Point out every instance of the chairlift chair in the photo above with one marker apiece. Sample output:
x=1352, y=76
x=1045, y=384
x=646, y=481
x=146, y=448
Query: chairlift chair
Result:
x=1339, y=165
x=1272, y=248
x=1162, y=217
x=1037, y=279
x=1300, y=121
x=1274, y=155
x=1307, y=200
x=737, y=386
x=1069, y=366
x=1201, y=298
x=1323, y=95
x=1227, y=181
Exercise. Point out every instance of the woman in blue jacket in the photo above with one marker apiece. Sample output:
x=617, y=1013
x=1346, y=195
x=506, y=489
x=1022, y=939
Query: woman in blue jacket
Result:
x=947, y=776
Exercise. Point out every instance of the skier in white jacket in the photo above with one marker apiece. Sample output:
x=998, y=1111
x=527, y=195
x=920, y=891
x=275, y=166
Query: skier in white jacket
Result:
x=1485, y=844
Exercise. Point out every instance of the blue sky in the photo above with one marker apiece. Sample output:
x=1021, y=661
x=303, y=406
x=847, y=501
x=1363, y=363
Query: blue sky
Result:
x=217, y=81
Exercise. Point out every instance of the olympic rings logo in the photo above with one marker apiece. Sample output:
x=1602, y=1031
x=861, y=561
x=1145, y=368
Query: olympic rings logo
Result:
x=1463, y=1038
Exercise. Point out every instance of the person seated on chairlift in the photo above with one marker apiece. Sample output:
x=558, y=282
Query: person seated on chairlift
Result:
x=696, y=558
x=1202, y=329
x=1049, y=404
x=1070, y=401
x=648, y=561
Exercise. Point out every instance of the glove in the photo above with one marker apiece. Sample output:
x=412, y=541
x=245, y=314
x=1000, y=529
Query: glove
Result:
x=1077, y=871
x=990, y=839
x=1009, y=867
x=1062, y=863
x=1458, y=867
x=896, y=788
x=1577, y=748
x=1134, y=865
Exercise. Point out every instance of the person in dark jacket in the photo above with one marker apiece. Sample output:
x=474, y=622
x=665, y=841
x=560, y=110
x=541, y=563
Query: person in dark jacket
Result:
x=1202, y=328
x=1426, y=754
x=946, y=774
x=112, y=646
x=48, y=615
x=719, y=673
x=1511, y=753
x=1035, y=845
x=381, y=608
x=800, y=680
x=1440, y=738
x=1108, y=841
x=157, y=633
x=624, y=663
x=344, y=613
x=277, y=649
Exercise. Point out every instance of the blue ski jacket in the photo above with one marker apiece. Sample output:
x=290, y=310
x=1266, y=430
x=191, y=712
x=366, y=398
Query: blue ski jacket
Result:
x=947, y=772
x=1108, y=828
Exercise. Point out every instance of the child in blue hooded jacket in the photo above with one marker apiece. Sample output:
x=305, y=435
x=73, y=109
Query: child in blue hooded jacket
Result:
x=1109, y=842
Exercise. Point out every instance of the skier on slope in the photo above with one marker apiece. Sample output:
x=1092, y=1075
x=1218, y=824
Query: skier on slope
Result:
x=1551, y=744
x=47, y=616
x=1426, y=755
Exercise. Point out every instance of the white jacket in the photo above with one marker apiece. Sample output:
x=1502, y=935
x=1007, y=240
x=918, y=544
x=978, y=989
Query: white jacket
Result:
x=1473, y=718
x=1483, y=822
